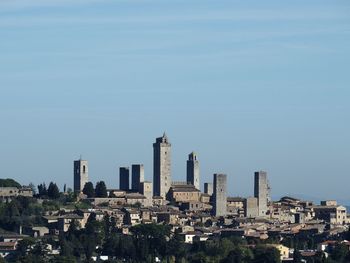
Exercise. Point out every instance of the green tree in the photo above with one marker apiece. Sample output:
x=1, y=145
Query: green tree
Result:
x=101, y=189
x=263, y=254
x=89, y=190
x=239, y=254
x=42, y=190
x=339, y=252
x=53, y=192
x=24, y=246
x=9, y=183
x=297, y=256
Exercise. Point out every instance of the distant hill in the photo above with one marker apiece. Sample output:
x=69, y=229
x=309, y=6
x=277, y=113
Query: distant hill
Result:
x=9, y=183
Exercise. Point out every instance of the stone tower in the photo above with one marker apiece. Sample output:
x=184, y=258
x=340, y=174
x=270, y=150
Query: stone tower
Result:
x=146, y=190
x=193, y=170
x=161, y=166
x=261, y=191
x=220, y=195
x=81, y=175
x=124, y=180
x=137, y=176
x=208, y=188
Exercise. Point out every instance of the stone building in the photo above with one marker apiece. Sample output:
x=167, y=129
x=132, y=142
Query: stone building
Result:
x=220, y=195
x=137, y=176
x=235, y=206
x=161, y=166
x=251, y=207
x=7, y=192
x=81, y=175
x=208, y=188
x=146, y=190
x=193, y=170
x=333, y=214
x=261, y=191
x=124, y=178
x=183, y=193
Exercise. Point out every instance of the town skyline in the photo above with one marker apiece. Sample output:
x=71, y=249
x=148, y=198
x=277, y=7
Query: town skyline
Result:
x=114, y=182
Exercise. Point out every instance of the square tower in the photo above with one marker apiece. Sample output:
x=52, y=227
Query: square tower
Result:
x=208, y=188
x=220, y=195
x=81, y=173
x=161, y=166
x=137, y=176
x=146, y=190
x=261, y=191
x=124, y=180
x=193, y=170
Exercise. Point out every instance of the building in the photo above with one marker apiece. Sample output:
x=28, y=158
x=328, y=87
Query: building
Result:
x=333, y=214
x=261, y=191
x=124, y=178
x=220, y=195
x=8, y=192
x=183, y=193
x=64, y=221
x=208, y=188
x=329, y=203
x=81, y=175
x=251, y=207
x=235, y=206
x=146, y=190
x=137, y=176
x=161, y=166
x=193, y=170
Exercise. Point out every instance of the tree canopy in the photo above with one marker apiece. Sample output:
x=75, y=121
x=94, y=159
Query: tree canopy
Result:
x=101, y=189
x=9, y=183
x=89, y=190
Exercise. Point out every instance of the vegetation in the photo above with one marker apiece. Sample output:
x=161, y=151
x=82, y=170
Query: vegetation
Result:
x=9, y=183
x=101, y=189
x=53, y=192
x=89, y=190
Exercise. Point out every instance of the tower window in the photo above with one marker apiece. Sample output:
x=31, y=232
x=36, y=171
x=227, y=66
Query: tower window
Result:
x=84, y=169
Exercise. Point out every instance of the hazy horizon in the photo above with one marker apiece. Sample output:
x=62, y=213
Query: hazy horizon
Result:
x=251, y=86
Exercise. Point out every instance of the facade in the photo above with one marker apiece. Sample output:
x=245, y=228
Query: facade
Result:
x=161, y=166
x=7, y=192
x=193, y=170
x=220, y=195
x=146, y=190
x=261, y=191
x=81, y=175
x=235, y=206
x=137, y=176
x=335, y=215
x=251, y=207
x=124, y=178
x=183, y=193
x=208, y=188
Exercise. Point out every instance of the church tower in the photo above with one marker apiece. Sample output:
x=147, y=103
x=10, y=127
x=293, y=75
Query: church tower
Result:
x=81, y=175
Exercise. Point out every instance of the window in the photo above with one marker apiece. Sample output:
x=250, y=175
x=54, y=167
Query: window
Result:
x=84, y=169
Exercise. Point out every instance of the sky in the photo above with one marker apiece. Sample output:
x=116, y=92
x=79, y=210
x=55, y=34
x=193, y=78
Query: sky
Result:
x=248, y=85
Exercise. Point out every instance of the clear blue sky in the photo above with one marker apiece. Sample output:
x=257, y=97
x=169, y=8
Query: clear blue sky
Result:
x=248, y=85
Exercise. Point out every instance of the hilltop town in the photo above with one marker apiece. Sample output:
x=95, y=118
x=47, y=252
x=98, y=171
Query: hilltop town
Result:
x=166, y=220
